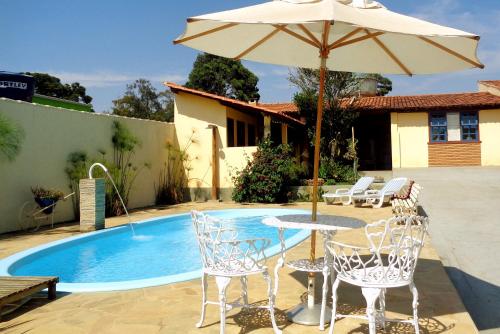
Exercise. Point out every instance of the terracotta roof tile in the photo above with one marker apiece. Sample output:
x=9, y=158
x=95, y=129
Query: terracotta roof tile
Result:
x=432, y=102
x=235, y=103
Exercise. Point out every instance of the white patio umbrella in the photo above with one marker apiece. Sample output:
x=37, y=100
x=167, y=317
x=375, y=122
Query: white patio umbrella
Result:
x=342, y=35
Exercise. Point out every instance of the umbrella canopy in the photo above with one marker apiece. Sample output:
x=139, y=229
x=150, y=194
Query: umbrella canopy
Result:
x=362, y=37
x=342, y=35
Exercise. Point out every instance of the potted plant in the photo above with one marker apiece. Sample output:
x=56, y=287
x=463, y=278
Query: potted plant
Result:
x=46, y=198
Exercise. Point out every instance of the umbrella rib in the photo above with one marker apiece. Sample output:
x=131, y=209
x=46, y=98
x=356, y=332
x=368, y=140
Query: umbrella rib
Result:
x=390, y=54
x=345, y=37
x=356, y=40
x=257, y=44
x=310, y=34
x=453, y=53
x=294, y=34
x=204, y=33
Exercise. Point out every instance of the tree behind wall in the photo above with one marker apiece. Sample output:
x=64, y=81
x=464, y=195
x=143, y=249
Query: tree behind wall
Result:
x=142, y=100
x=224, y=77
x=46, y=84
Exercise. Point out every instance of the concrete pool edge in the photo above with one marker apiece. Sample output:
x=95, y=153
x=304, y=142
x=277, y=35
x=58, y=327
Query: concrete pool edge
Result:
x=8, y=262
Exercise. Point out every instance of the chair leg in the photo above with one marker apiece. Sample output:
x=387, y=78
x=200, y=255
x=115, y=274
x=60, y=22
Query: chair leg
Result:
x=335, y=286
x=244, y=290
x=222, y=283
x=326, y=271
x=271, y=297
x=414, y=291
x=348, y=202
x=381, y=304
x=379, y=201
x=371, y=295
x=204, y=287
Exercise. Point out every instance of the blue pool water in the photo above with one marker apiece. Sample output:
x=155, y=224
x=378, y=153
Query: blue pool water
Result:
x=164, y=250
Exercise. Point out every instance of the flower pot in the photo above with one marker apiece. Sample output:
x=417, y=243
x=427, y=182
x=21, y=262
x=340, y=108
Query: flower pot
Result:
x=311, y=182
x=44, y=202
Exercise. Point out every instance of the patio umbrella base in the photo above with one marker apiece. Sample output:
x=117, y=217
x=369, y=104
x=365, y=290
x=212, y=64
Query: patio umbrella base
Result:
x=303, y=315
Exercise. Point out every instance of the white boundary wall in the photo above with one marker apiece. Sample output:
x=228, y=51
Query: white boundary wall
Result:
x=51, y=134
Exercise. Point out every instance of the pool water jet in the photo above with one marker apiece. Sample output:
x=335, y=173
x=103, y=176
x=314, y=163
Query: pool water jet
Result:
x=100, y=206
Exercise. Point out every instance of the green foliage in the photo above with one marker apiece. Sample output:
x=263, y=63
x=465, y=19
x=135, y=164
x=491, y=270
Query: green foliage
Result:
x=172, y=181
x=46, y=84
x=43, y=193
x=121, y=169
x=337, y=119
x=77, y=166
x=224, y=77
x=11, y=139
x=142, y=100
x=329, y=169
x=384, y=85
x=266, y=177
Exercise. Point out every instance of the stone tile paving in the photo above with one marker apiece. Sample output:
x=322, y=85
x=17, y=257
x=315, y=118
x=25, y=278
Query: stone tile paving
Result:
x=175, y=308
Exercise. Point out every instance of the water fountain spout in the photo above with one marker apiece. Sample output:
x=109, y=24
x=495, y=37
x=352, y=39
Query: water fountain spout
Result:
x=97, y=164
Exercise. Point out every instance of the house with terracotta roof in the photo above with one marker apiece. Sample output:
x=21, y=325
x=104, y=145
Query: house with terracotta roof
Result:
x=219, y=134
x=459, y=129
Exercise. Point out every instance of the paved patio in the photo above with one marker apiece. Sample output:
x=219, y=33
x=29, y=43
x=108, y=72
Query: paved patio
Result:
x=175, y=308
x=465, y=212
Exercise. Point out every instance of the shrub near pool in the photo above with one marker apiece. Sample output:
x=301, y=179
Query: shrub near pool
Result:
x=266, y=177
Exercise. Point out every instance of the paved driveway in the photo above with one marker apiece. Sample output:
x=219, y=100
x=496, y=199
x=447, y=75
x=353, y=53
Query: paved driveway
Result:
x=464, y=207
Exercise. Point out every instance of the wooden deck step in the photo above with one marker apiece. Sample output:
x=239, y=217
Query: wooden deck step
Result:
x=15, y=288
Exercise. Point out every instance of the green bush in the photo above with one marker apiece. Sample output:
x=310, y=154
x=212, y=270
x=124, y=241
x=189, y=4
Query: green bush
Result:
x=11, y=139
x=266, y=177
x=121, y=168
x=329, y=169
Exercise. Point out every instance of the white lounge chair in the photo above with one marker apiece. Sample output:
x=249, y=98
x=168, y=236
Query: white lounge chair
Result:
x=345, y=194
x=377, y=198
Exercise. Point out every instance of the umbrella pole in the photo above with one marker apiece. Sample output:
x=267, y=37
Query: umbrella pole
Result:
x=310, y=314
x=317, y=149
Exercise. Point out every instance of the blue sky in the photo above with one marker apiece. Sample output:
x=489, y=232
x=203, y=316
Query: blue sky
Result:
x=106, y=44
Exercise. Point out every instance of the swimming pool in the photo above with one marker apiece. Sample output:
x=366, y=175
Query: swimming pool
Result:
x=163, y=251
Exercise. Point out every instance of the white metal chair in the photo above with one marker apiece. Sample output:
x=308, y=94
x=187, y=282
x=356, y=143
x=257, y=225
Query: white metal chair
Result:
x=224, y=256
x=407, y=204
x=345, y=194
x=377, y=198
x=388, y=262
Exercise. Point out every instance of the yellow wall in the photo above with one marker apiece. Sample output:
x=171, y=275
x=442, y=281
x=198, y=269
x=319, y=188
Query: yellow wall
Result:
x=409, y=138
x=53, y=133
x=233, y=159
x=193, y=114
x=489, y=132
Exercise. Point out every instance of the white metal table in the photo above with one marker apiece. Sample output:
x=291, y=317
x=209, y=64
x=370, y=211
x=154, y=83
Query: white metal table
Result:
x=327, y=225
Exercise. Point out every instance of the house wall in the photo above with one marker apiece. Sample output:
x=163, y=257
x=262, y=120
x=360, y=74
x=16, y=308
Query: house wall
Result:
x=489, y=134
x=409, y=138
x=193, y=115
x=51, y=134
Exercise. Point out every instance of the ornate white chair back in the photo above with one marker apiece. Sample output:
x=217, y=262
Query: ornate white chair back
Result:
x=390, y=259
x=221, y=251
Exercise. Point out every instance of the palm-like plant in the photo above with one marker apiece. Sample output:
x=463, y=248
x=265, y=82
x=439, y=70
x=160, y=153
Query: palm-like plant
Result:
x=11, y=138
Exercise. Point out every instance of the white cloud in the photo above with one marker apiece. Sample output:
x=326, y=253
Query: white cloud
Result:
x=109, y=78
